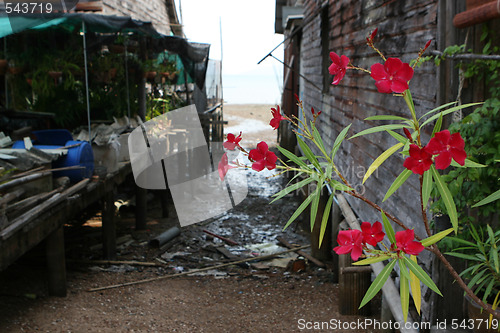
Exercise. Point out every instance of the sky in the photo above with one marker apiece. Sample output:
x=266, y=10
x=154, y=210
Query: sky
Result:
x=247, y=36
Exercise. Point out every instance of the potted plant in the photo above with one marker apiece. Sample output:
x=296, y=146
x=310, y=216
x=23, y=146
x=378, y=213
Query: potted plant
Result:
x=483, y=271
x=52, y=71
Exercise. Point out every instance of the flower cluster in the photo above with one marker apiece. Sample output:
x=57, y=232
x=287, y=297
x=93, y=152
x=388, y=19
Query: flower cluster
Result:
x=443, y=147
x=356, y=241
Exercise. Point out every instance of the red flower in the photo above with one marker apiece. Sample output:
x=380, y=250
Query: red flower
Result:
x=277, y=117
x=262, y=157
x=369, y=40
x=447, y=146
x=338, y=67
x=350, y=241
x=372, y=234
x=405, y=242
x=232, y=141
x=419, y=160
x=393, y=76
x=224, y=167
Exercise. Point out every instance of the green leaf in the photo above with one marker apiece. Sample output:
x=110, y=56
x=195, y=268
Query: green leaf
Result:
x=379, y=129
x=292, y=157
x=444, y=113
x=338, y=141
x=490, y=198
x=409, y=101
x=415, y=287
x=437, y=126
x=315, y=203
x=421, y=275
x=379, y=160
x=317, y=137
x=404, y=291
x=398, y=137
x=436, y=109
x=326, y=215
x=378, y=283
x=372, y=260
x=426, y=187
x=446, y=198
x=463, y=256
x=468, y=164
x=291, y=188
x=386, y=117
x=476, y=278
x=308, y=153
x=436, y=237
x=488, y=289
x=299, y=210
x=337, y=186
x=403, y=176
x=388, y=228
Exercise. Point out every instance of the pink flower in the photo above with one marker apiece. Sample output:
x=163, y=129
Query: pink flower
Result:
x=447, y=146
x=405, y=242
x=350, y=241
x=262, y=157
x=277, y=117
x=338, y=67
x=372, y=234
x=419, y=160
x=224, y=167
x=393, y=76
x=232, y=141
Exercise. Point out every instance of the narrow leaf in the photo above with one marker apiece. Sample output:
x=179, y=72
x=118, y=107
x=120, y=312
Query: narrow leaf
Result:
x=409, y=101
x=415, y=287
x=338, y=141
x=292, y=157
x=386, y=117
x=372, y=260
x=437, y=126
x=299, y=210
x=447, y=198
x=436, y=109
x=468, y=164
x=317, y=138
x=490, y=198
x=378, y=283
x=379, y=129
x=426, y=188
x=337, y=186
x=463, y=256
x=381, y=159
x=436, y=237
x=315, y=203
x=291, y=188
x=488, y=289
x=324, y=220
x=444, y=113
x=421, y=275
x=398, y=137
x=404, y=293
x=308, y=153
x=403, y=176
x=388, y=228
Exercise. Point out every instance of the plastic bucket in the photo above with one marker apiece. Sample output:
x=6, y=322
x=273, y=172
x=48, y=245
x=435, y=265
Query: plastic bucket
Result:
x=81, y=155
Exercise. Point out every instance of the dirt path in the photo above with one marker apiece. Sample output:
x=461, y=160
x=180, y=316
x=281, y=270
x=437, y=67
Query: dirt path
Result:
x=259, y=298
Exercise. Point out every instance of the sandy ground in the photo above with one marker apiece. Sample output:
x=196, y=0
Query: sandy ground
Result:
x=258, y=298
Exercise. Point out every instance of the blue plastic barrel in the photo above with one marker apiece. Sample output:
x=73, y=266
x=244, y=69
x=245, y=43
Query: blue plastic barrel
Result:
x=81, y=155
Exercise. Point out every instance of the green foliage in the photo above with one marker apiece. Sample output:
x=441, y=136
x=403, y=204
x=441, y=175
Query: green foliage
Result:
x=483, y=270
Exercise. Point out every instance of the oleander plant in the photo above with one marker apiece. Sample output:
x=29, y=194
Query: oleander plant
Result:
x=377, y=241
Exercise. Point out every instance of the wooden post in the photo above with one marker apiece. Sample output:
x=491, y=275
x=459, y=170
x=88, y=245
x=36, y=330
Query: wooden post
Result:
x=323, y=253
x=56, y=265
x=108, y=225
x=141, y=206
x=336, y=218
